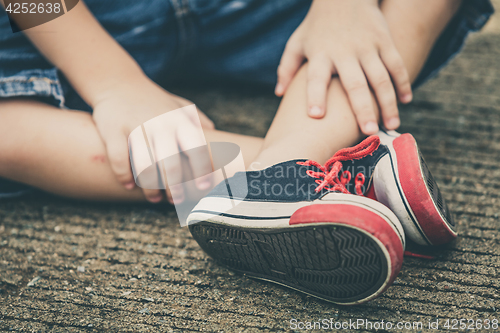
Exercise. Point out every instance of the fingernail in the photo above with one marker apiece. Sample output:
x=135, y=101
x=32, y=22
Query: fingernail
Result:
x=371, y=127
x=279, y=89
x=155, y=199
x=315, y=111
x=406, y=98
x=130, y=186
x=393, y=123
x=178, y=199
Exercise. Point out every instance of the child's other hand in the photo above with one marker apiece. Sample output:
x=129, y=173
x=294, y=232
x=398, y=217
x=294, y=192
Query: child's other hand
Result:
x=351, y=39
x=120, y=110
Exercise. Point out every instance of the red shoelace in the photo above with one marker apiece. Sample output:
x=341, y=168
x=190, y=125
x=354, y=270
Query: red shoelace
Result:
x=329, y=174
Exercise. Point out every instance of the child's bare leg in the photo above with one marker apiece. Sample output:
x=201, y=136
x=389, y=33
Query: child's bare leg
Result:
x=61, y=151
x=415, y=27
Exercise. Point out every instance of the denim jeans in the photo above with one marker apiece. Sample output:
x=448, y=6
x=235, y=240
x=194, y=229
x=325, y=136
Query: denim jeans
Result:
x=231, y=40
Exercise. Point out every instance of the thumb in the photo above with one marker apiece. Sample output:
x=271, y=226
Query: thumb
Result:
x=118, y=156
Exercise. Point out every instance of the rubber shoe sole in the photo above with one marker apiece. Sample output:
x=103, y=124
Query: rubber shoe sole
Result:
x=341, y=253
x=403, y=182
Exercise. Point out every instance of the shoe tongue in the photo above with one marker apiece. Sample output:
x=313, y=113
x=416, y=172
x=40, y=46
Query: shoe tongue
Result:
x=354, y=169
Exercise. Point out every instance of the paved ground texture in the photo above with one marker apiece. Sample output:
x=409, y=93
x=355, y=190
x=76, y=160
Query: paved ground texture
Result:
x=80, y=267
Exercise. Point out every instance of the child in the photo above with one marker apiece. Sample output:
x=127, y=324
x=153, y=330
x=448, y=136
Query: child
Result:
x=106, y=58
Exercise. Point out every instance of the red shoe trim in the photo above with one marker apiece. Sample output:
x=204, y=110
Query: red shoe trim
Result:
x=418, y=255
x=371, y=193
x=360, y=218
x=415, y=191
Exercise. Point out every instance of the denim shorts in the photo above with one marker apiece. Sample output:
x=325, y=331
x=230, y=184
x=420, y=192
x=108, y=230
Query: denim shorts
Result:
x=197, y=40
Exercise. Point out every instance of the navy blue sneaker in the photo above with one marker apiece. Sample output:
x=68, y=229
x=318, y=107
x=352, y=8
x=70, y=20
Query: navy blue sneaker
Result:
x=306, y=226
x=11, y=189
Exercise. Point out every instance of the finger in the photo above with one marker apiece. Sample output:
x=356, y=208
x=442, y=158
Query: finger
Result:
x=399, y=74
x=194, y=146
x=144, y=165
x=167, y=155
x=145, y=170
x=118, y=156
x=354, y=82
x=381, y=83
x=291, y=60
x=319, y=75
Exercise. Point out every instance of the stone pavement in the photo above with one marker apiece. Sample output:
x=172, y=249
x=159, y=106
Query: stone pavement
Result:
x=80, y=267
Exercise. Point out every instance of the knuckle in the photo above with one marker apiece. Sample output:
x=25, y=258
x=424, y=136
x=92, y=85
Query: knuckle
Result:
x=364, y=111
x=396, y=65
x=387, y=98
x=399, y=70
x=389, y=107
x=364, y=53
x=356, y=85
x=120, y=165
x=383, y=82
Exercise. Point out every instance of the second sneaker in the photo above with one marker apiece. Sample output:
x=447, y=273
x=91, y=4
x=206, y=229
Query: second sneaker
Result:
x=403, y=182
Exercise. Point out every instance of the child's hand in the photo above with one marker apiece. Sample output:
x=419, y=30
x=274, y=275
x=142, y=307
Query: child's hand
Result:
x=351, y=39
x=120, y=110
